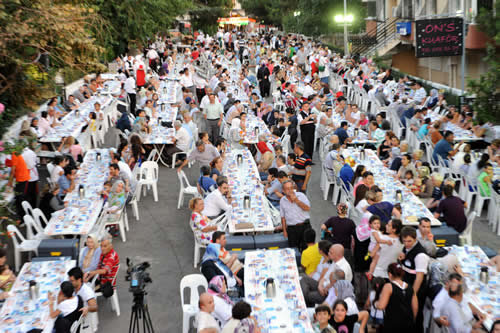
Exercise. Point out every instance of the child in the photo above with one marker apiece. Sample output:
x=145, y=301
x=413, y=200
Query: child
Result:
x=322, y=316
x=409, y=178
x=375, y=241
x=417, y=187
x=376, y=314
x=105, y=191
x=7, y=278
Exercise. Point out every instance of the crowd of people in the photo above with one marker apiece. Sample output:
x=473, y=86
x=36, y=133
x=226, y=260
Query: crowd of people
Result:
x=369, y=270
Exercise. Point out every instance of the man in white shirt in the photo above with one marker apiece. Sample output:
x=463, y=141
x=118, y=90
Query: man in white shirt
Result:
x=29, y=157
x=130, y=89
x=83, y=290
x=205, y=321
x=189, y=125
x=218, y=201
x=182, y=142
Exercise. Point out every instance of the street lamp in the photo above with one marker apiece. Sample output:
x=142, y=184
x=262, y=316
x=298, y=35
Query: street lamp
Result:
x=345, y=20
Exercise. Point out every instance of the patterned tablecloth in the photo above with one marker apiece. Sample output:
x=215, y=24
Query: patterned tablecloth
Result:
x=254, y=128
x=79, y=217
x=19, y=313
x=286, y=312
x=485, y=297
x=245, y=182
x=413, y=208
x=72, y=124
x=459, y=133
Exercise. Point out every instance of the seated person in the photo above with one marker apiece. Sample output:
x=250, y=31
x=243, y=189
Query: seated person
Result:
x=212, y=266
x=206, y=184
x=230, y=260
x=7, y=278
x=322, y=315
x=68, y=307
x=108, y=264
x=219, y=200
x=273, y=189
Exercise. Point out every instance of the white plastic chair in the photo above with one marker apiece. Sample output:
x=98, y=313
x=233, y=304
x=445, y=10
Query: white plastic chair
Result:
x=115, y=304
x=122, y=222
x=326, y=183
x=185, y=188
x=77, y=324
x=21, y=244
x=148, y=176
x=33, y=230
x=40, y=218
x=285, y=144
x=193, y=282
x=466, y=236
x=133, y=202
x=480, y=202
x=154, y=155
x=27, y=208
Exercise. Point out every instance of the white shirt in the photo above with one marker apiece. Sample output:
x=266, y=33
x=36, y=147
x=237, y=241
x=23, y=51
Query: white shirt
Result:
x=230, y=326
x=130, y=85
x=186, y=80
x=222, y=310
x=420, y=94
x=86, y=293
x=205, y=320
x=68, y=306
x=344, y=266
x=182, y=139
x=29, y=157
x=215, y=203
x=152, y=54
x=292, y=212
x=43, y=126
x=388, y=255
x=459, y=316
x=54, y=176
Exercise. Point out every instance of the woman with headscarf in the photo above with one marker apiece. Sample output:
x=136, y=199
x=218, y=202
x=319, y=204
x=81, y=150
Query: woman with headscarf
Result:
x=212, y=266
x=90, y=254
x=433, y=98
x=340, y=230
x=223, y=304
x=247, y=325
x=234, y=137
x=116, y=201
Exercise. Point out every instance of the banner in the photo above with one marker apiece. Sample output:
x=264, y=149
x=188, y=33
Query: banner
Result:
x=439, y=37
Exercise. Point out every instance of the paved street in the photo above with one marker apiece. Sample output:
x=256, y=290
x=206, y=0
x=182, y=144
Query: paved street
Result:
x=163, y=237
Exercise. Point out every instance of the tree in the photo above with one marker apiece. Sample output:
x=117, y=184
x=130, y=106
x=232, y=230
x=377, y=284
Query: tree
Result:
x=270, y=11
x=37, y=38
x=132, y=21
x=486, y=88
x=204, y=16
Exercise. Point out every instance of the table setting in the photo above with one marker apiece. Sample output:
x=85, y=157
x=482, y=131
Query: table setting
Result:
x=272, y=288
x=483, y=290
x=413, y=207
x=73, y=123
x=250, y=208
x=24, y=309
x=84, y=203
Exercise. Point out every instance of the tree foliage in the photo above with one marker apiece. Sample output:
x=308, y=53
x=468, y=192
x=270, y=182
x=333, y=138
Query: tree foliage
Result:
x=316, y=16
x=31, y=28
x=205, y=14
x=486, y=89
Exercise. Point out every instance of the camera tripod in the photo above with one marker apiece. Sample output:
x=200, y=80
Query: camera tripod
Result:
x=140, y=312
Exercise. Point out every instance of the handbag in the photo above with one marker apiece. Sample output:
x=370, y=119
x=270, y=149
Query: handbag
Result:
x=107, y=290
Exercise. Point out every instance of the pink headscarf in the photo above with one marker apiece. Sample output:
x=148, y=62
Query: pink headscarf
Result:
x=215, y=288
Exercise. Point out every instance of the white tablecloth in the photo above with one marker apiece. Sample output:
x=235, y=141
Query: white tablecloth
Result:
x=287, y=311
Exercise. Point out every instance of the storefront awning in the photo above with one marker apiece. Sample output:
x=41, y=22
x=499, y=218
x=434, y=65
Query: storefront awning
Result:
x=235, y=20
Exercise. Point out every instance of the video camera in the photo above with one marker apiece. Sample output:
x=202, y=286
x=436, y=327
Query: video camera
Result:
x=137, y=276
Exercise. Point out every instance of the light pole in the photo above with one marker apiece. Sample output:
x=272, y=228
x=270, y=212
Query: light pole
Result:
x=297, y=14
x=345, y=20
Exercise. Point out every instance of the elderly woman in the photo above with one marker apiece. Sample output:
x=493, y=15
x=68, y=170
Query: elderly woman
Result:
x=90, y=254
x=200, y=224
x=116, y=201
x=223, y=304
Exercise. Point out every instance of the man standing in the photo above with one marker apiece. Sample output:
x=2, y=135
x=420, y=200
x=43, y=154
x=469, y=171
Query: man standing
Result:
x=414, y=261
x=206, y=322
x=204, y=154
x=307, y=122
x=263, y=77
x=302, y=168
x=294, y=211
x=213, y=112
x=130, y=90
x=30, y=158
x=425, y=236
x=20, y=172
